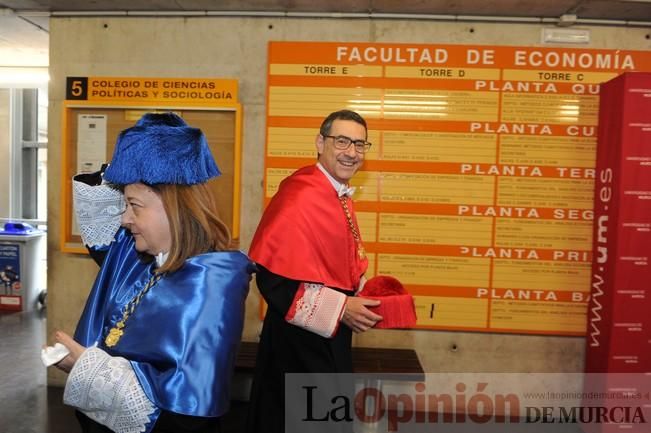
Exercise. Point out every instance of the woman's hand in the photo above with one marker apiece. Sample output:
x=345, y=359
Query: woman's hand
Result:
x=75, y=349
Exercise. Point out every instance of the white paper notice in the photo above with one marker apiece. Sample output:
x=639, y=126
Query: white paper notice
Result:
x=91, y=147
x=91, y=142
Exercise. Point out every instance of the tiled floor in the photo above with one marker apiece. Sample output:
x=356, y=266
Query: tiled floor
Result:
x=27, y=404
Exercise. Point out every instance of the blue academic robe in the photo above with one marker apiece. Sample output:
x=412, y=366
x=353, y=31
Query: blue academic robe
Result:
x=183, y=337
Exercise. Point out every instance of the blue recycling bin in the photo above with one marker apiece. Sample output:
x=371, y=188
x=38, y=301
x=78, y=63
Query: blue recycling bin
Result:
x=20, y=265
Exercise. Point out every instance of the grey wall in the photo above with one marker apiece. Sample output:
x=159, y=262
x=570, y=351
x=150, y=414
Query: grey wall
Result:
x=5, y=153
x=237, y=48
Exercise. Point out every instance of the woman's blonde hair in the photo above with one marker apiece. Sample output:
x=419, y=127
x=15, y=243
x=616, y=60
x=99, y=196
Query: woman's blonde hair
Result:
x=194, y=223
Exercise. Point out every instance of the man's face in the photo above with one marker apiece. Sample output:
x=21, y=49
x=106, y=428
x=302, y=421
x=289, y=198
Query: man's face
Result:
x=341, y=164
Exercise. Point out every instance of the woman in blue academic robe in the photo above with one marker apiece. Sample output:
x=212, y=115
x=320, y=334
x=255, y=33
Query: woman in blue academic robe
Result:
x=155, y=347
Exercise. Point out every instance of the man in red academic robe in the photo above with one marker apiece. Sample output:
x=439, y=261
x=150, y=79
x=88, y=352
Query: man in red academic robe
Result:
x=311, y=262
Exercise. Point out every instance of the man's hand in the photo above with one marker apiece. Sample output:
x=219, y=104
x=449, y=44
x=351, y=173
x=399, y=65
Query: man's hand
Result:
x=75, y=349
x=357, y=316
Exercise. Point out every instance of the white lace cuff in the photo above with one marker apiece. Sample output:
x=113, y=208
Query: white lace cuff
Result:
x=317, y=308
x=106, y=389
x=98, y=209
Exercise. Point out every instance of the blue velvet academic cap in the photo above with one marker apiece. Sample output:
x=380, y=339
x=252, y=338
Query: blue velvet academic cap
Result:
x=161, y=149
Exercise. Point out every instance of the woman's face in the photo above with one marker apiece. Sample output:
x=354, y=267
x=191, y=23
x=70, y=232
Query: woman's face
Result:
x=145, y=217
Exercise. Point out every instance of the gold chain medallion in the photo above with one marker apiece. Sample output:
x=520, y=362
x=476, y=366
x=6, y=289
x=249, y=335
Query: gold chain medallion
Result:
x=116, y=332
x=361, y=253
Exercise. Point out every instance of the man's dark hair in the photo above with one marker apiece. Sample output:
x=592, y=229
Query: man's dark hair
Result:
x=340, y=115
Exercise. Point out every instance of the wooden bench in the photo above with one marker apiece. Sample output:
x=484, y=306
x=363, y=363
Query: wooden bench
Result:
x=365, y=360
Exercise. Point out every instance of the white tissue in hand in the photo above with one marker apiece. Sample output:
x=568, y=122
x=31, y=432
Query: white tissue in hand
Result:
x=53, y=354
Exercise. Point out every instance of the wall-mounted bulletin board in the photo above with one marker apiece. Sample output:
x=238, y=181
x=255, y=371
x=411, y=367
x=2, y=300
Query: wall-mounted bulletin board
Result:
x=98, y=108
x=478, y=191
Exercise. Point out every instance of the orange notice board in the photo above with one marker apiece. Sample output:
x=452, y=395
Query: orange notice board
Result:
x=478, y=190
x=96, y=109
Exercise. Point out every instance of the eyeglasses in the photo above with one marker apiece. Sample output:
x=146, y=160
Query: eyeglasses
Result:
x=342, y=142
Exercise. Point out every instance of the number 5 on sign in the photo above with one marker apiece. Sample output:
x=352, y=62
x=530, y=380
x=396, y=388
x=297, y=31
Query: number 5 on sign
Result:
x=77, y=88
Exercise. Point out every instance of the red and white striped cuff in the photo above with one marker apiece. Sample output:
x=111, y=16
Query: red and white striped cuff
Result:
x=317, y=308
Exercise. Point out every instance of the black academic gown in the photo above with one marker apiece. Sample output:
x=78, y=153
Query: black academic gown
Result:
x=286, y=348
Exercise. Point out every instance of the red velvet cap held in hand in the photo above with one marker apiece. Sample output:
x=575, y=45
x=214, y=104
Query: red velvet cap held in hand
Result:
x=397, y=308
